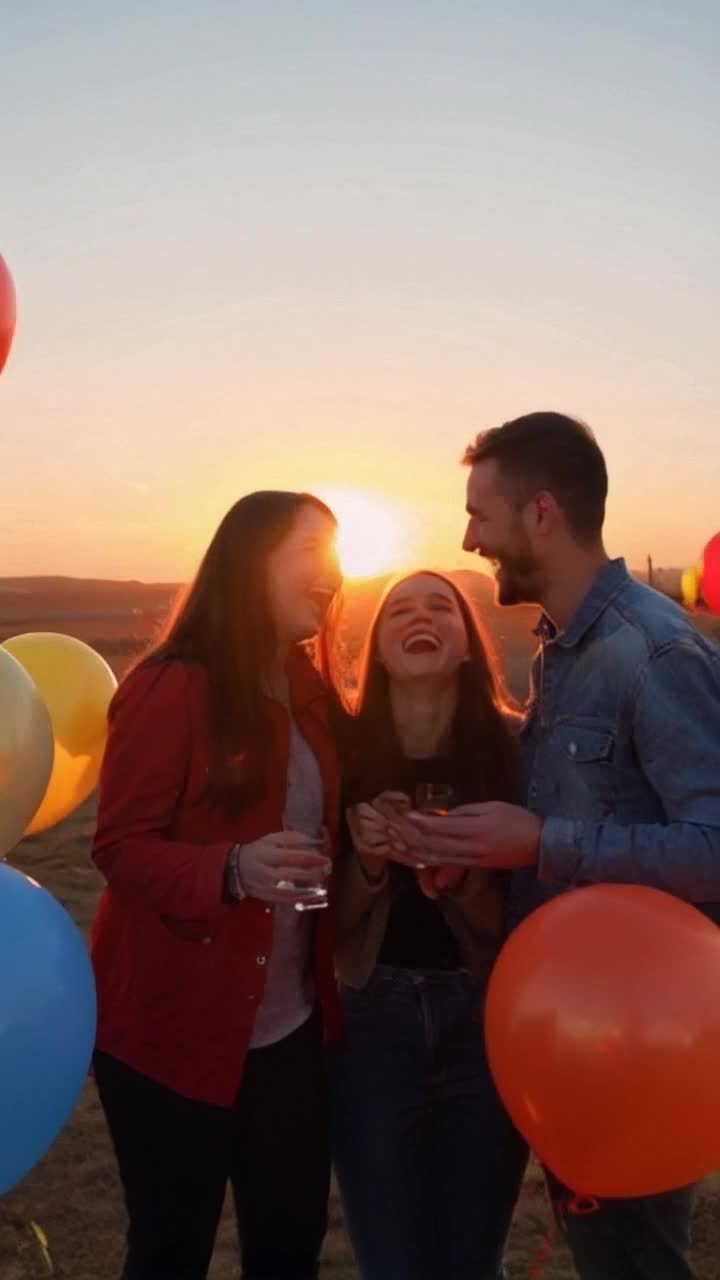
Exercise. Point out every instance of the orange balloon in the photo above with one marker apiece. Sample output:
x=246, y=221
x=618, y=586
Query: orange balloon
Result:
x=7, y=312
x=603, y=1033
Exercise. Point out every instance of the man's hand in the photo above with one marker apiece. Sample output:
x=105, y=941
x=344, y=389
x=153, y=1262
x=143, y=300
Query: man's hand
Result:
x=494, y=836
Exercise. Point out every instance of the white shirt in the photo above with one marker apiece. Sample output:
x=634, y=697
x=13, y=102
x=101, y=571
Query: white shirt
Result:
x=289, y=988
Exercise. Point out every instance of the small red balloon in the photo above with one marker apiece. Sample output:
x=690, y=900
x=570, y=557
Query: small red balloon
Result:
x=603, y=1032
x=711, y=574
x=7, y=312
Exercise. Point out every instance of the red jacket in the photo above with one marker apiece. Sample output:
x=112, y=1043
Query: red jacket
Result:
x=179, y=972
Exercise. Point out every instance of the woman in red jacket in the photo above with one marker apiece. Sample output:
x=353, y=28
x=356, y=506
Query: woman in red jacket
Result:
x=218, y=809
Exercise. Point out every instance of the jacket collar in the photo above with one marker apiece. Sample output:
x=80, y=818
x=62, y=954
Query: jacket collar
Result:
x=609, y=582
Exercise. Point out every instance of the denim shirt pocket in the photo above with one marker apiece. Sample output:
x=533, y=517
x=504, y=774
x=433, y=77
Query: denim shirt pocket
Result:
x=584, y=778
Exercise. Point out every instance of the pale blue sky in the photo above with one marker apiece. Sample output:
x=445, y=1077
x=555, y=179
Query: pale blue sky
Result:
x=310, y=244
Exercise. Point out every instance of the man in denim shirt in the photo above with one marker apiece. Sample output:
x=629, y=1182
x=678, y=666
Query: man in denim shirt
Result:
x=621, y=744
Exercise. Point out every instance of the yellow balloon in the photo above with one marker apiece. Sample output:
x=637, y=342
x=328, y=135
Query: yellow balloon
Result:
x=76, y=685
x=690, y=587
x=26, y=751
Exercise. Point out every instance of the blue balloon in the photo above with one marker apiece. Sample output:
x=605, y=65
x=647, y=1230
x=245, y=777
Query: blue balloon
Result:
x=47, y=1022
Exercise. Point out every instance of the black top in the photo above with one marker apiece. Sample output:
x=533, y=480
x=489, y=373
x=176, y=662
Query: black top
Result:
x=417, y=935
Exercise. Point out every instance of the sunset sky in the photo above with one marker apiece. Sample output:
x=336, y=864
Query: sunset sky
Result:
x=319, y=245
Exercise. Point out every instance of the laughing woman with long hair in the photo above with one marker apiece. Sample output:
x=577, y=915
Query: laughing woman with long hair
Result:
x=428, y=1162
x=218, y=809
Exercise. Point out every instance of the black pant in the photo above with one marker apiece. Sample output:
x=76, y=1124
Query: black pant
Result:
x=647, y=1238
x=176, y=1156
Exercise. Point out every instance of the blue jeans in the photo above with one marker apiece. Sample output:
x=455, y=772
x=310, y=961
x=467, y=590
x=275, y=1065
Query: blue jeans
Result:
x=647, y=1238
x=428, y=1162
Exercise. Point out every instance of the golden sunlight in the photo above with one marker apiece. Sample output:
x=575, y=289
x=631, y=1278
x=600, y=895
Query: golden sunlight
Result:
x=373, y=534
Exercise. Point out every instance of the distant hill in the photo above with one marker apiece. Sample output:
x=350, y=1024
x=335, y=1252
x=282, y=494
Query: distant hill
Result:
x=116, y=618
x=55, y=583
x=41, y=599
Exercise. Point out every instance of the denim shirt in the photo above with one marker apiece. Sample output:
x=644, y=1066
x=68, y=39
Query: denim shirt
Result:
x=621, y=748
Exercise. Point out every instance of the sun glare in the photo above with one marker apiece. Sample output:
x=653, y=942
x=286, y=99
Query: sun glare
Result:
x=373, y=534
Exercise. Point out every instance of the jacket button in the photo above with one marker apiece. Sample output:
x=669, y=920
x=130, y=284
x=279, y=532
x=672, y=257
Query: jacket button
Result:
x=268, y=911
x=206, y=941
x=573, y=748
x=262, y=960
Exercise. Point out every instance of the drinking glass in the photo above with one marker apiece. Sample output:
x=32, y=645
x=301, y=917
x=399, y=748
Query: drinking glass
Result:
x=435, y=797
x=311, y=897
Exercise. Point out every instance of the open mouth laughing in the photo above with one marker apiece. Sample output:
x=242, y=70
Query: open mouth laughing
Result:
x=321, y=598
x=421, y=642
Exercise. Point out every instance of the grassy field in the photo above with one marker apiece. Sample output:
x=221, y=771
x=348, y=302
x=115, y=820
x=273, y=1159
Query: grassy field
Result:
x=73, y=1195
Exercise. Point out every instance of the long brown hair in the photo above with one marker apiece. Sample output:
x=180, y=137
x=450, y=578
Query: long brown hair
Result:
x=482, y=741
x=223, y=622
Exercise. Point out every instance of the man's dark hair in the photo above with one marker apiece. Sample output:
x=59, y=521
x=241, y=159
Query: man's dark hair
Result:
x=553, y=452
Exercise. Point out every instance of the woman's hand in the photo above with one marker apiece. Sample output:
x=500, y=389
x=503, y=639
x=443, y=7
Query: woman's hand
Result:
x=371, y=826
x=392, y=804
x=368, y=830
x=433, y=881
x=260, y=866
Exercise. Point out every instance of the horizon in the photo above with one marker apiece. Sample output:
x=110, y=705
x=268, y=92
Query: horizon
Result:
x=348, y=579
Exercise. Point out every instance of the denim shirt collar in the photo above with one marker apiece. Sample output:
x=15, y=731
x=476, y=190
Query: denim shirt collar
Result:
x=608, y=583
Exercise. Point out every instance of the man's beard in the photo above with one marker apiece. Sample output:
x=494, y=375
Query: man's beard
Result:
x=516, y=581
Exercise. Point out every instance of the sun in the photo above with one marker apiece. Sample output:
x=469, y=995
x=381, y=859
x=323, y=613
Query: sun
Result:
x=373, y=533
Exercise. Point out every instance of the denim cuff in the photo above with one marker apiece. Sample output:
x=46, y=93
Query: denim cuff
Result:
x=560, y=850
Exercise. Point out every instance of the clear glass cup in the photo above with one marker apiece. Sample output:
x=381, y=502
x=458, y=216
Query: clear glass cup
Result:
x=311, y=897
x=435, y=797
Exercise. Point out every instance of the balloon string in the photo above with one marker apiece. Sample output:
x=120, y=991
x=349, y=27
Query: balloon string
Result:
x=579, y=1206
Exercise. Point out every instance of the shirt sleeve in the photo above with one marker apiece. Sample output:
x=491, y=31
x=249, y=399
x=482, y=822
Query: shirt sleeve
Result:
x=143, y=778
x=676, y=737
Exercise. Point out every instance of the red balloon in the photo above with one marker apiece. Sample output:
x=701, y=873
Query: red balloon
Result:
x=603, y=1032
x=7, y=312
x=711, y=574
